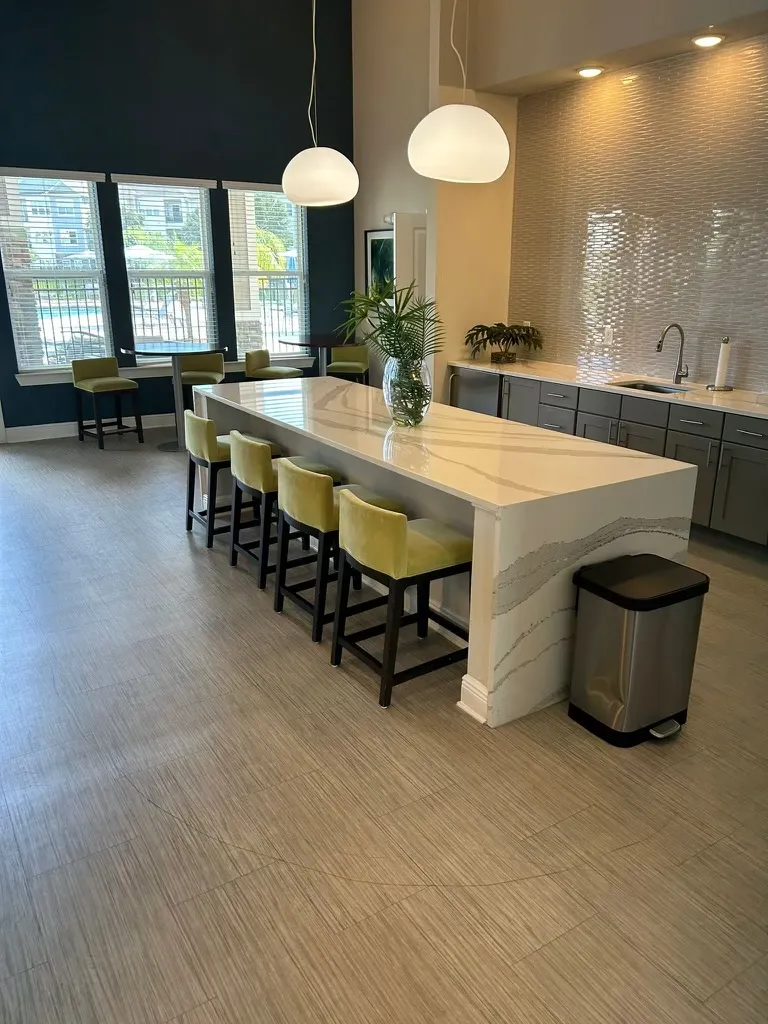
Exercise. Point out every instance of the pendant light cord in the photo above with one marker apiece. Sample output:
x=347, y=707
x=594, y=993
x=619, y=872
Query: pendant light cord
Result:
x=313, y=89
x=455, y=49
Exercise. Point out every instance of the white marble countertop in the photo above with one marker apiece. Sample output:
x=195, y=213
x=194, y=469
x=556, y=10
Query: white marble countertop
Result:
x=589, y=375
x=492, y=463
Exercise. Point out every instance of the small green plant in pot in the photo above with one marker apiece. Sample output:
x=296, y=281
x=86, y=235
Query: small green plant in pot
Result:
x=504, y=337
x=404, y=329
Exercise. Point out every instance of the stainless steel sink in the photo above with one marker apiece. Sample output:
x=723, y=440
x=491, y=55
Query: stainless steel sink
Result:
x=644, y=385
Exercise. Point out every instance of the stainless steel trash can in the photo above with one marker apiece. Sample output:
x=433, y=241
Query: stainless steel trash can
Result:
x=637, y=627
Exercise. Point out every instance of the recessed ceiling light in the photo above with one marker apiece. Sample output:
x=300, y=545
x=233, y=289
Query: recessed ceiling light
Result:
x=590, y=72
x=708, y=40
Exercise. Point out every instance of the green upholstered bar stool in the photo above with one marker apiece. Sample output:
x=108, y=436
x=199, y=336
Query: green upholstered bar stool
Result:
x=309, y=503
x=349, y=361
x=200, y=368
x=212, y=453
x=254, y=474
x=258, y=366
x=100, y=378
x=386, y=547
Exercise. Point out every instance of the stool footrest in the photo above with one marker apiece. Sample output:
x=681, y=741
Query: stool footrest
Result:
x=371, y=631
x=446, y=623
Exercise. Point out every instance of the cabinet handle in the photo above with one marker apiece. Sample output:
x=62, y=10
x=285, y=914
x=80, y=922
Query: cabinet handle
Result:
x=751, y=433
x=709, y=453
x=551, y=394
x=552, y=426
x=693, y=423
x=450, y=388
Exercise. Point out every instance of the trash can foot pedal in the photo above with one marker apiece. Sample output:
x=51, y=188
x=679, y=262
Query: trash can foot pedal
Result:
x=665, y=730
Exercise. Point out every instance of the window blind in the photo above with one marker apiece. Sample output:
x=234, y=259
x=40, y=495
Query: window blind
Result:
x=269, y=266
x=167, y=245
x=50, y=244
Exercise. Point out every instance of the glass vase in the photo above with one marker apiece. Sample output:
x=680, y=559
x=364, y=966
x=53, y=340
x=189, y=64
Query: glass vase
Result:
x=407, y=391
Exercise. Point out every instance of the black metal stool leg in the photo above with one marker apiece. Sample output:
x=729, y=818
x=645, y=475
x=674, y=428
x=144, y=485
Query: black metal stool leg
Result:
x=267, y=507
x=137, y=416
x=213, y=482
x=282, y=560
x=422, y=609
x=97, y=418
x=190, y=493
x=234, y=527
x=119, y=410
x=305, y=542
x=357, y=579
x=391, y=636
x=342, y=600
x=79, y=412
x=321, y=586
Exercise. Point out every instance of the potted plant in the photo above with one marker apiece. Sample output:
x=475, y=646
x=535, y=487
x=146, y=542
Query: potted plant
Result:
x=404, y=329
x=503, y=337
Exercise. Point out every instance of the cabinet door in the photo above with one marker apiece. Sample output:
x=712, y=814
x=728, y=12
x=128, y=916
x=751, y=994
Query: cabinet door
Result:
x=476, y=390
x=642, y=438
x=596, y=428
x=521, y=400
x=551, y=417
x=740, y=506
x=702, y=453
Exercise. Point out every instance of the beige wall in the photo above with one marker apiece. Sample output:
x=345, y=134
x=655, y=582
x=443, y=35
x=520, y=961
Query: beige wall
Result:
x=391, y=66
x=515, y=40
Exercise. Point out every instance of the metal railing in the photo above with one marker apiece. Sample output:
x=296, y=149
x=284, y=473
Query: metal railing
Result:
x=269, y=306
x=172, y=306
x=57, y=318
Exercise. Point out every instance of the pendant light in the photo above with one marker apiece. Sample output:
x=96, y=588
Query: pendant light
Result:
x=459, y=141
x=319, y=176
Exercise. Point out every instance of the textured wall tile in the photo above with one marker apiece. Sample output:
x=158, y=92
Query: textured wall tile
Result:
x=641, y=198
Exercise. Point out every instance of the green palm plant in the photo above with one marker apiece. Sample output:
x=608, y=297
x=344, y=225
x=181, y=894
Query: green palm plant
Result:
x=404, y=329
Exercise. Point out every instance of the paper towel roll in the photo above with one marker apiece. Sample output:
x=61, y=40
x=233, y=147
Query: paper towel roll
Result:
x=722, y=363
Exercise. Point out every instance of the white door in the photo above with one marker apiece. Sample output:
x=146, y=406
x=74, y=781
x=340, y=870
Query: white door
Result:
x=411, y=250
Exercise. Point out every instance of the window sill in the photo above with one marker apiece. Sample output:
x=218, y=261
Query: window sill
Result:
x=36, y=378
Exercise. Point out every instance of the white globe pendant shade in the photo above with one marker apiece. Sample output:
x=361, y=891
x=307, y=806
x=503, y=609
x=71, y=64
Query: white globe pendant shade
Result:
x=320, y=177
x=459, y=142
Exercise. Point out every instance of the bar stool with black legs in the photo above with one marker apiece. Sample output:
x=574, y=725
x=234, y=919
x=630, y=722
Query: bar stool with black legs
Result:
x=210, y=452
x=386, y=547
x=101, y=378
x=309, y=503
x=254, y=475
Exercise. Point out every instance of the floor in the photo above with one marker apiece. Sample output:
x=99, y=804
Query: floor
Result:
x=202, y=822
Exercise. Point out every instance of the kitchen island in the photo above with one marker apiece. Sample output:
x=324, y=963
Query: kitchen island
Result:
x=537, y=504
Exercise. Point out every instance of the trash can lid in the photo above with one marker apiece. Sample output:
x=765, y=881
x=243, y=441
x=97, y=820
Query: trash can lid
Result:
x=642, y=582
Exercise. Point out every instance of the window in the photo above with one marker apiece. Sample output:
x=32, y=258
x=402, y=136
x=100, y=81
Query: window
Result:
x=57, y=296
x=173, y=213
x=169, y=264
x=68, y=237
x=269, y=266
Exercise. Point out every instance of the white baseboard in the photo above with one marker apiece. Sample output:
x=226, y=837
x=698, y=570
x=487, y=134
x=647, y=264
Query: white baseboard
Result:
x=48, y=431
x=474, y=699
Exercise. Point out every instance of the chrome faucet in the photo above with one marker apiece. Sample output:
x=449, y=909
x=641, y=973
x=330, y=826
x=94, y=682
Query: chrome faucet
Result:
x=681, y=370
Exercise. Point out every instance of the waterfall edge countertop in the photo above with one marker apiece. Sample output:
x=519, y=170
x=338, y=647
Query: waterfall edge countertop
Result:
x=749, y=403
x=492, y=463
x=537, y=504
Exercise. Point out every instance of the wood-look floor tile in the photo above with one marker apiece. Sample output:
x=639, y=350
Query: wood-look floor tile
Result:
x=591, y=975
x=38, y=997
x=674, y=925
x=745, y=999
x=732, y=874
x=31, y=721
x=21, y=945
x=66, y=803
x=105, y=912
x=209, y=1013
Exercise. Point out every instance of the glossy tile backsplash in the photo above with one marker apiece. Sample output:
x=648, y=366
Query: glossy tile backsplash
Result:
x=641, y=197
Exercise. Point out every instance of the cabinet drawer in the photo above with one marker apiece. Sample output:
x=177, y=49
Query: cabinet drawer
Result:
x=552, y=418
x=600, y=403
x=520, y=400
x=644, y=410
x=703, y=422
x=746, y=430
x=641, y=437
x=564, y=395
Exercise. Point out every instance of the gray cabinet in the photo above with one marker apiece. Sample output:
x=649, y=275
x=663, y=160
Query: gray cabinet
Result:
x=564, y=395
x=475, y=390
x=740, y=505
x=601, y=403
x=520, y=400
x=642, y=438
x=597, y=428
x=702, y=453
x=553, y=418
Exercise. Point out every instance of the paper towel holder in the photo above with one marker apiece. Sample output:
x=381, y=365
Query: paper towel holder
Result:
x=725, y=387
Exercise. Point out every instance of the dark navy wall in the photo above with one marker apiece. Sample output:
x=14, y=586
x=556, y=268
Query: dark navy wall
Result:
x=182, y=88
